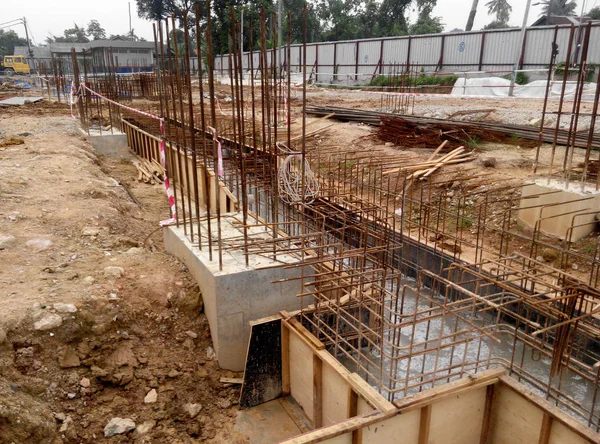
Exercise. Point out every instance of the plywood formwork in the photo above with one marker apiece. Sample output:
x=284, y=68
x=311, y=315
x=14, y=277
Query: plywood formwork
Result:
x=487, y=407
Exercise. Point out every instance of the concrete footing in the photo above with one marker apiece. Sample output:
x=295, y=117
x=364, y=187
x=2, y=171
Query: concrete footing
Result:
x=237, y=294
x=565, y=213
x=111, y=145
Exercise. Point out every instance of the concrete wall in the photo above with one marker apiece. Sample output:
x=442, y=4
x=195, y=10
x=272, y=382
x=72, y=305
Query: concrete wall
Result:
x=558, y=209
x=234, y=296
x=111, y=145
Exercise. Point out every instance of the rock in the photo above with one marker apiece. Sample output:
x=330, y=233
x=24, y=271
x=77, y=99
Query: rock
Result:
x=151, y=397
x=85, y=382
x=225, y=404
x=190, y=301
x=135, y=250
x=98, y=372
x=549, y=254
x=118, y=426
x=389, y=144
x=60, y=417
x=574, y=266
x=48, y=321
x=39, y=244
x=202, y=373
x=173, y=373
x=490, y=162
x=145, y=427
x=7, y=242
x=539, y=259
x=65, y=308
x=89, y=280
x=65, y=425
x=67, y=358
x=115, y=272
x=90, y=231
x=191, y=334
x=535, y=122
x=2, y=336
x=210, y=353
x=192, y=409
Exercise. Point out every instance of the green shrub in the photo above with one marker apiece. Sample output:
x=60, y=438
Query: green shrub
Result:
x=420, y=80
x=521, y=79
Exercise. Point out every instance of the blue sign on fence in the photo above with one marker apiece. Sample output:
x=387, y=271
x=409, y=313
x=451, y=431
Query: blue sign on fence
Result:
x=461, y=47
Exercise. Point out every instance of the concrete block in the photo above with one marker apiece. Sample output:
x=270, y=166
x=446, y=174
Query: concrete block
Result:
x=111, y=145
x=237, y=294
x=561, y=212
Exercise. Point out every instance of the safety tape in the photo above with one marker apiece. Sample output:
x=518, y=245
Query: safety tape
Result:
x=161, y=120
x=220, y=173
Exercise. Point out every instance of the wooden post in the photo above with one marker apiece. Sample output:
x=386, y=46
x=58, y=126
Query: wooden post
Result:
x=546, y=429
x=352, y=412
x=317, y=391
x=486, y=423
x=285, y=359
x=424, y=424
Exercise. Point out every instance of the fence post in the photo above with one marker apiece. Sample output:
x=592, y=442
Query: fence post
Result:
x=481, y=50
x=333, y=77
x=356, y=67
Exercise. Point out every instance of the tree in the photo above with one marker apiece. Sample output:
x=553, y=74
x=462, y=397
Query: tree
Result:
x=558, y=7
x=496, y=25
x=501, y=9
x=154, y=10
x=392, y=17
x=313, y=25
x=95, y=30
x=594, y=13
x=8, y=40
x=426, y=25
x=472, y=14
x=72, y=35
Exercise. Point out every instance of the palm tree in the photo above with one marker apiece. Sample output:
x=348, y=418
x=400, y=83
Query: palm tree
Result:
x=472, y=15
x=558, y=7
x=501, y=9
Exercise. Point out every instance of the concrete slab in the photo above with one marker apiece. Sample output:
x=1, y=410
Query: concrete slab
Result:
x=19, y=100
x=565, y=213
x=237, y=294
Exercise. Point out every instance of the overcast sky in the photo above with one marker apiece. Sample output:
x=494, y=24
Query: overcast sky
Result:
x=47, y=17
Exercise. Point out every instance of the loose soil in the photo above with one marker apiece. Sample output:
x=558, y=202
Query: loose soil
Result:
x=71, y=214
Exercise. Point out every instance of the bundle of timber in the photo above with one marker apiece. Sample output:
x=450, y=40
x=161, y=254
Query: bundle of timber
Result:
x=425, y=169
x=413, y=134
x=514, y=134
x=592, y=168
x=149, y=171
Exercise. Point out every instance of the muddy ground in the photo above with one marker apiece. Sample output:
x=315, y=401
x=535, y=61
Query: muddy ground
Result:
x=93, y=314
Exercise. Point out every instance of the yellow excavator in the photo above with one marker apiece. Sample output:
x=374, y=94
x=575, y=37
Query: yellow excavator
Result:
x=12, y=64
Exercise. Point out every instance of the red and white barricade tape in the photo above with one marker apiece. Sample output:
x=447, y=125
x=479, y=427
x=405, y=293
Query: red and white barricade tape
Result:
x=162, y=151
x=220, y=173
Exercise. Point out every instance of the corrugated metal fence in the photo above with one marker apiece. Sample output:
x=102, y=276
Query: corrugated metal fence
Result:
x=357, y=61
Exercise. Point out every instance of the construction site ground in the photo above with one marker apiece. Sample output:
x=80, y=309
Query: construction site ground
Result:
x=81, y=251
